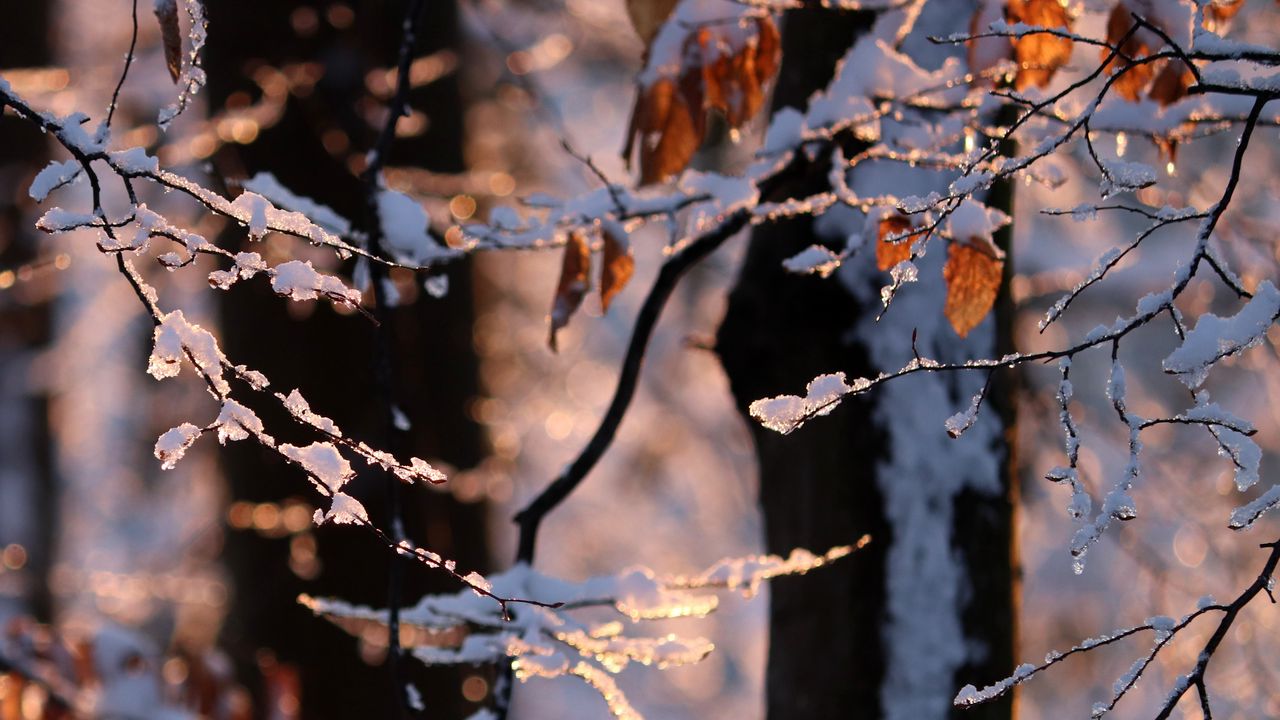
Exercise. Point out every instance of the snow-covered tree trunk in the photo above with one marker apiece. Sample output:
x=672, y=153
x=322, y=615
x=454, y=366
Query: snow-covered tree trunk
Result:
x=929, y=605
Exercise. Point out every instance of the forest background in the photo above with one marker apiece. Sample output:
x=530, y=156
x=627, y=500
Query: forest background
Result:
x=211, y=556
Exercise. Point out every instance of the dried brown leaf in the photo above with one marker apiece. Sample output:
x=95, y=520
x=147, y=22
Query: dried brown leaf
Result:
x=1134, y=80
x=575, y=273
x=1171, y=83
x=768, y=50
x=717, y=80
x=697, y=92
x=1039, y=56
x=750, y=95
x=667, y=132
x=973, y=274
x=889, y=254
x=619, y=266
x=170, y=36
x=1218, y=14
x=669, y=121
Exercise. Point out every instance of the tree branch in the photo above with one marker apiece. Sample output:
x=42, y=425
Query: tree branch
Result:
x=384, y=355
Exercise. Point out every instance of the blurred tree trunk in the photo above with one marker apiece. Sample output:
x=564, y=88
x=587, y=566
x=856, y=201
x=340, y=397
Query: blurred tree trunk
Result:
x=27, y=495
x=329, y=356
x=821, y=485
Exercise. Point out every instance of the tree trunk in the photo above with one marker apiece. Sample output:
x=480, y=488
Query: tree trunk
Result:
x=330, y=357
x=842, y=642
x=27, y=485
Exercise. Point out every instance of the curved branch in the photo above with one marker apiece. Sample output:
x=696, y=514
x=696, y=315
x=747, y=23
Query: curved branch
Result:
x=530, y=518
x=689, y=254
x=1197, y=676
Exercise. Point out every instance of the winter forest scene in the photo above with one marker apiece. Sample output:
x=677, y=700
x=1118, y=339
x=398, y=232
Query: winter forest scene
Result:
x=666, y=359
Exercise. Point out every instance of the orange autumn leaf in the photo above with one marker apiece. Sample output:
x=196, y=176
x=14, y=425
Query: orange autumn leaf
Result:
x=170, y=36
x=619, y=266
x=1039, y=56
x=734, y=84
x=575, y=272
x=1168, y=80
x=665, y=129
x=1218, y=14
x=768, y=49
x=717, y=73
x=889, y=254
x=973, y=274
x=1171, y=83
x=1134, y=80
x=11, y=700
x=708, y=85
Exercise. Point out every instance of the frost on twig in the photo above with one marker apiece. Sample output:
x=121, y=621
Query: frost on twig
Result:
x=1215, y=338
x=551, y=642
x=960, y=422
x=172, y=445
x=814, y=259
x=176, y=340
x=787, y=413
x=1163, y=631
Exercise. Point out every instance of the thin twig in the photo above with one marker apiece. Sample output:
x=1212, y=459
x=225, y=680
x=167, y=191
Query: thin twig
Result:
x=1197, y=676
x=384, y=356
x=128, y=61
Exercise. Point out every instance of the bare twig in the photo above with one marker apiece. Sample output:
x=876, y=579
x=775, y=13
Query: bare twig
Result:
x=384, y=356
x=128, y=61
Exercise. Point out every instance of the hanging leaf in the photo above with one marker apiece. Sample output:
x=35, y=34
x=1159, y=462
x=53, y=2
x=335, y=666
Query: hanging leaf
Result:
x=1134, y=80
x=721, y=67
x=768, y=49
x=663, y=125
x=973, y=274
x=1167, y=147
x=1171, y=83
x=1039, y=56
x=574, y=283
x=889, y=254
x=734, y=84
x=619, y=265
x=1217, y=15
x=1165, y=82
x=170, y=36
